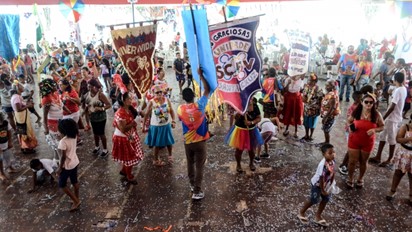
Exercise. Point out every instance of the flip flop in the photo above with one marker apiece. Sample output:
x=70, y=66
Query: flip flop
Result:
x=75, y=207
x=286, y=133
x=359, y=184
x=303, y=220
x=349, y=185
x=384, y=164
x=239, y=169
x=374, y=161
x=322, y=222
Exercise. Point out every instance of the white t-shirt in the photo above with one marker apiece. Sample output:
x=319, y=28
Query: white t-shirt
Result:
x=294, y=86
x=266, y=125
x=49, y=165
x=3, y=146
x=27, y=90
x=104, y=69
x=69, y=145
x=398, y=98
x=318, y=173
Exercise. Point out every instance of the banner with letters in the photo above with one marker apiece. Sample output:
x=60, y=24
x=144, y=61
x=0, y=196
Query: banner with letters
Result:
x=135, y=47
x=237, y=61
x=299, y=52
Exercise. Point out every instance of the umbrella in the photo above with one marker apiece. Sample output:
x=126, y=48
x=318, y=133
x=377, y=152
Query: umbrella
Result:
x=231, y=7
x=72, y=9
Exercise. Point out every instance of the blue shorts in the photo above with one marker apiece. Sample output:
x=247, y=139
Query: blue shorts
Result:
x=66, y=174
x=180, y=77
x=7, y=109
x=315, y=195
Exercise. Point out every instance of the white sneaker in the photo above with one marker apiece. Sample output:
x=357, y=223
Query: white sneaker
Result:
x=198, y=196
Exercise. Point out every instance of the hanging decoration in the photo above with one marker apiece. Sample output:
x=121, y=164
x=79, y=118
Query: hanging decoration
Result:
x=230, y=7
x=72, y=9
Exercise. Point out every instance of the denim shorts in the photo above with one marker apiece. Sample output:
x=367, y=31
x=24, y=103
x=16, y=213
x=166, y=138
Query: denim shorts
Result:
x=66, y=174
x=315, y=195
x=7, y=109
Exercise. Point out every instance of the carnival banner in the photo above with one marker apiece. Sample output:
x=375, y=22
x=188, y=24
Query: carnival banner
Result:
x=135, y=47
x=237, y=61
x=299, y=52
x=198, y=45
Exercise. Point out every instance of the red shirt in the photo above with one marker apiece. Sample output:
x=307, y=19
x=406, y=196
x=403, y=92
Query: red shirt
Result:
x=73, y=107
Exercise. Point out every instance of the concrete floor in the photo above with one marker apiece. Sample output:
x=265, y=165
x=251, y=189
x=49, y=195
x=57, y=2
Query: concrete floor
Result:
x=265, y=200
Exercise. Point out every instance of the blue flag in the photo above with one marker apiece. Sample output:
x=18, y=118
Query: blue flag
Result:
x=199, y=46
x=10, y=29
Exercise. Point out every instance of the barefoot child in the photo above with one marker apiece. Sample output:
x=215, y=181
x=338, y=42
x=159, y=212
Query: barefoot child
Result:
x=69, y=160
x=402, y=160
x=42, y=170
x=321, y=184
x=329, y=109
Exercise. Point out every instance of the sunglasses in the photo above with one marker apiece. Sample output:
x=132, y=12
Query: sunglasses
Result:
x=158, y=92
x=368, y=102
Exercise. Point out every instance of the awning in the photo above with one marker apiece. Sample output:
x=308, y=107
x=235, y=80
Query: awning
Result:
x=121, y=2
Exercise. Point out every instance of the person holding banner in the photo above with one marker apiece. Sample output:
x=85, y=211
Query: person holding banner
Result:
x=195, y=131
x=244, y=135
x=292, y=111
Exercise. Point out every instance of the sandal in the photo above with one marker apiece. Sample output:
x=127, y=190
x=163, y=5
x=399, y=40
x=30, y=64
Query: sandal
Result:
x=304, y=220
x=239, y=169
x=158, y=163
x=322, y=222
x=285, y=133
x=252, y=167
x=373, y=160
x=390, y=195
x=132, y=181
x=384, y=164
x=359, y=184
x=349, y=184
x=295, y=136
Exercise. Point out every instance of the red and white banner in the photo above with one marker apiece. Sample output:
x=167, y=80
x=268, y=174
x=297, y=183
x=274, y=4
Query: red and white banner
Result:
x=135, y=47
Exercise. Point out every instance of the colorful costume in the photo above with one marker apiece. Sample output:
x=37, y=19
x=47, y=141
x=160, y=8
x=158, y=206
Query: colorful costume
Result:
x=160, y=130
x=402, y=159
x=244, y=137
x=312, y=96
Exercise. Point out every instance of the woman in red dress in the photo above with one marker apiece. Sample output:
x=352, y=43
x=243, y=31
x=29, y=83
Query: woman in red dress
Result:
x=127, y=149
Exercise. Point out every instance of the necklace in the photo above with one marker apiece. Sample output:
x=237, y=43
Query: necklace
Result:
x=366, y=115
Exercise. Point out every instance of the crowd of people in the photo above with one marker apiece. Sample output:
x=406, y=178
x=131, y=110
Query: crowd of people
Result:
x=80, y=87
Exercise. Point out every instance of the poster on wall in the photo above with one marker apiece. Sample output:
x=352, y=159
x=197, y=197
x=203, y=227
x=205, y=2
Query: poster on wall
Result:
x=299, y=52
x=237, y=61
x=135, y=47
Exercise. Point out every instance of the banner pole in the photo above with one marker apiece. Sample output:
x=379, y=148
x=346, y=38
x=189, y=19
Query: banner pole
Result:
x=224, y=13
x=196, y=42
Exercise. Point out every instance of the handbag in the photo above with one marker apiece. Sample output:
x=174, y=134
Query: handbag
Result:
x=21, y=128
